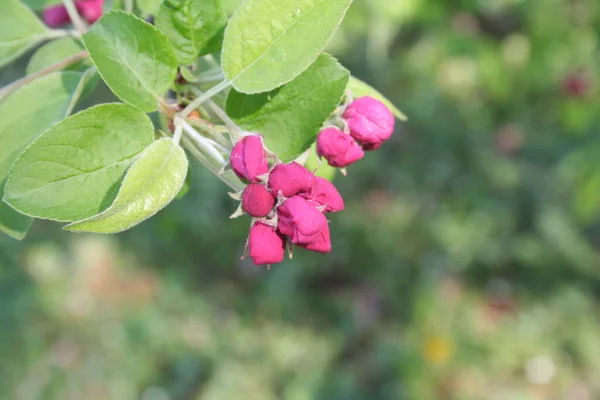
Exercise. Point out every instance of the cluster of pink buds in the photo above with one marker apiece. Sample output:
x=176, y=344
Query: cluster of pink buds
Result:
x=287, y=203
x=57, y=16
x=368, y=123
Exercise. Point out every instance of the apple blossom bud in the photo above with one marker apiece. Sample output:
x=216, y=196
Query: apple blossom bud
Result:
x=248, y=158
x=371, y=146
x=323, y=243
x=57, y=16
x=326, y=195
x=90, y=10
x=339, y=149
x=265, y=244
x=290, y=179
x=257, y=200
x=300, y=220
x=370, y=121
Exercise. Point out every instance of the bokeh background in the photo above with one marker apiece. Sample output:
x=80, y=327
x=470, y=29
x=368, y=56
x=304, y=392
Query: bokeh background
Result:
x=465, y=266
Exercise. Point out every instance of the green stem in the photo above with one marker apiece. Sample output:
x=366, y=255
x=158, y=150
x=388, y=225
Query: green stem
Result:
x=74, y=15
x=227, y=177
x=232, y=128
x=43, y=72
x=204, y=97
x=214, y=133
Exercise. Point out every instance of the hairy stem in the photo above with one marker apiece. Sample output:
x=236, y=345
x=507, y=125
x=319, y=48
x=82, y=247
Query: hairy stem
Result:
x=208, y=146
x=43, y=72
x=227, y=177
x=235, y=132
x=204, y=97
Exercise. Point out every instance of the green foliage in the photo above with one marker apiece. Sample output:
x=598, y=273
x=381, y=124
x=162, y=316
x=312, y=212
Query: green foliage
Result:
x=194, y=27
x=53, y=52
x=286, y=37
x=20, y=30
x=151, y=183
x=149, y=7
x=319, y=167
x=360, y=89
x=26, y=113
x=12, y=223
x=72, y=171
x=290, y=117
x=39, y=5
x=134, y=59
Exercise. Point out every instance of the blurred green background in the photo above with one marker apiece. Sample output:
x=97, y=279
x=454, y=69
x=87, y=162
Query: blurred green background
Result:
x=465, y=266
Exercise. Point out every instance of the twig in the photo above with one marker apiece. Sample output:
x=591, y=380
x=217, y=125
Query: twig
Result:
x=43, y=72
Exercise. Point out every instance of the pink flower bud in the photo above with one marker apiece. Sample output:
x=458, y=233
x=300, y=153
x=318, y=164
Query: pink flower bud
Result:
x=370, y=121
x=248, y=158
x=326, y=195
x=57, y=16
x=90, y=10
x=339, y=149
x=323, y=243
x=257, y=200
x=265, y=244
x=291, y=179
x=371, y=146
x=300, y=220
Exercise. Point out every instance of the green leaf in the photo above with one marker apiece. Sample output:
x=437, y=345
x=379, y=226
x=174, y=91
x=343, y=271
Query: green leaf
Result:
x=148, y=7
x=53, y=52
x=72, y=171
x=361, y=89
x=230, y=5
x=194, y=27
x=186, y=184
x=270, y=42
x=20, y=30
x=12, y=223
x=30, y=110
x=39, y=5
x=133, y=57
x=319, y=167
x=290, y=117
x=85, y=87
x=151, y=183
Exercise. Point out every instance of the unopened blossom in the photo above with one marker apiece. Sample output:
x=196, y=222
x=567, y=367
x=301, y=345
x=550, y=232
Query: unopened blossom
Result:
x=257, y=200
x=265, y=244
x=300, y=220
x=325, y=195
x=248, y=159
x=290, y=179
x=338, y=148
x=370, y=121
x=57, y=16
x=322, y=244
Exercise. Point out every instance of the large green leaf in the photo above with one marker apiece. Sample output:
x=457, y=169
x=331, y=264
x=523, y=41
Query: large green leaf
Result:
x=151, y=183
x=20, y=30
x=194, y=27
x=270, y=42
x=360, y=89
x=290, y=117
x=30, y=110
x=73, y=170
x=53, y=52
x=12, y=223
x=133, y=57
